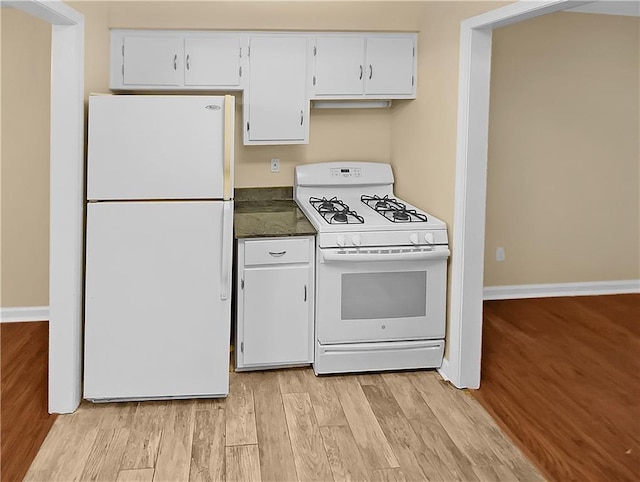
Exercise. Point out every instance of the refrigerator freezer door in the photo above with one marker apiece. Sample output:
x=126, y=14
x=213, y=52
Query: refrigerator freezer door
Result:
x=156, y=325
x=157, y=147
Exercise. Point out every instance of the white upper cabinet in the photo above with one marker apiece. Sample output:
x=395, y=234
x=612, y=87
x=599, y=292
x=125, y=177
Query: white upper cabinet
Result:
x=358, y=67
x=276, y=107
x=339, y=68
x=279, y=73
x=171, y=60
x=212, y=61
x=152, y=61
x=389, y=66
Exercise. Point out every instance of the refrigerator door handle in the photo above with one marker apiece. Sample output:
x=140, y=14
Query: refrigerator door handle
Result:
x=227, y=251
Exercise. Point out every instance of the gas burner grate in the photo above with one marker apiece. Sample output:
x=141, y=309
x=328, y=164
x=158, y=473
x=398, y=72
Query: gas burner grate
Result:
x=392, y=209
x=335, y=211
x=324, y=205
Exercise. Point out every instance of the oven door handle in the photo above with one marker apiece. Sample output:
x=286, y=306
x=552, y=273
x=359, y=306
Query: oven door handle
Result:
x=357, y=255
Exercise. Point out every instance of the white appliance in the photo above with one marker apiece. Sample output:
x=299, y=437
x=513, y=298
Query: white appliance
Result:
x=381, y=267
x=158, y=247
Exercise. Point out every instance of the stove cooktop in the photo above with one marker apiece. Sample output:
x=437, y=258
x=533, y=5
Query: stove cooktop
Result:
x=354, y=211
x=393, y=210
x=335, y=211
x=353, y=204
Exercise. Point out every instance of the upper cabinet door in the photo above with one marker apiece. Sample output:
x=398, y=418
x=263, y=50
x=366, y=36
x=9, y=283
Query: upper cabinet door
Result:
x=152, y=61
x=212, y=61
x=277, y=105
x=155, y=147
x=389, y=67
x=339, y=65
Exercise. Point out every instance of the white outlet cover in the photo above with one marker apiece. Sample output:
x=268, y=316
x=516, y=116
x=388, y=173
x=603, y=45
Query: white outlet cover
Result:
x=275, y=164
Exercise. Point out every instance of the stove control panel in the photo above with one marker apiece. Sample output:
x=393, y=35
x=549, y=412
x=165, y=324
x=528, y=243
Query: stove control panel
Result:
x=342, y=240
x=415, y=238
x=383, y=238
x=346, y=172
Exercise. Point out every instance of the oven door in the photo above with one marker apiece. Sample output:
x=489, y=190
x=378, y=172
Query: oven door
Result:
x=381, y=294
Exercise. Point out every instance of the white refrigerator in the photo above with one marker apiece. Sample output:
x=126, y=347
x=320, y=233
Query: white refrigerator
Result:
x=158, y=247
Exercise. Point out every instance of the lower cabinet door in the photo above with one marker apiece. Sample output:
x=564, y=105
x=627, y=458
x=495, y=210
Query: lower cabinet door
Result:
x=276, y=315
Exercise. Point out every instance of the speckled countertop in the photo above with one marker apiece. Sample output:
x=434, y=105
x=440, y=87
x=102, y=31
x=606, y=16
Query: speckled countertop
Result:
x=268, y=212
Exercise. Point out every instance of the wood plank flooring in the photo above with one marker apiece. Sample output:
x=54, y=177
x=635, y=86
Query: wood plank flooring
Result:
x=288, y=425
x=562, y=377
x=24, y=419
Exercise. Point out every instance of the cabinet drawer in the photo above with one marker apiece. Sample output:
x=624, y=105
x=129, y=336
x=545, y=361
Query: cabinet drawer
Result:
x=276, y=251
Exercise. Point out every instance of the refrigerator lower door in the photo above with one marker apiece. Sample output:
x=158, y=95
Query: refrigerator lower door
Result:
x=156, y=319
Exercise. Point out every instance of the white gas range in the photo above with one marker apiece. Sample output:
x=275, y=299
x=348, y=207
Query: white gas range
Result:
x=381, y=267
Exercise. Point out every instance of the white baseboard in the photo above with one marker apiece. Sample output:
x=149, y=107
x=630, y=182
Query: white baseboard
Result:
x=561, y=289
x=24, y=313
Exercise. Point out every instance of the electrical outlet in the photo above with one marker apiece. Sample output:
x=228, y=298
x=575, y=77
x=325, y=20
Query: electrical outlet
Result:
x=275, y=164
x=500, y=254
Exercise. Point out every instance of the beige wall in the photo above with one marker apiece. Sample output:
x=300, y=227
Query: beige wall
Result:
x=423, y=152
x=563, y=174
x=418, y=137
x=26, y=67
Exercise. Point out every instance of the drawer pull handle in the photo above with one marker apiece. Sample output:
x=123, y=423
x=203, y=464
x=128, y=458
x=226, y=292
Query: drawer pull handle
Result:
x=305, y=292
x=277, y=254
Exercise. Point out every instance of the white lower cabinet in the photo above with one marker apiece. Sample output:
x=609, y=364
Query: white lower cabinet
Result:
x=274, y=302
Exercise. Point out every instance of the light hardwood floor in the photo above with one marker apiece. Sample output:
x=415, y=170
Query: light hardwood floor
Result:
x=288, y=425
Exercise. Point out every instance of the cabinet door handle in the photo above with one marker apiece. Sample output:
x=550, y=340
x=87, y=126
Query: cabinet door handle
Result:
x=360, y=78
x=188, y=57
x=277, y=254
x=370, y=71
x=301, y=117
x=305, y=292
x=175, y=62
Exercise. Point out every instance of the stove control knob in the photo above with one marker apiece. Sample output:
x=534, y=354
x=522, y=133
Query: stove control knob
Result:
x=340, y=240
x=414, y=238
x=356, y=240
x=428, y=238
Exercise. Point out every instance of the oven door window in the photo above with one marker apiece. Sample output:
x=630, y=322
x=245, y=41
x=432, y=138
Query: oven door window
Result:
x=358, y=301
x=373, y=296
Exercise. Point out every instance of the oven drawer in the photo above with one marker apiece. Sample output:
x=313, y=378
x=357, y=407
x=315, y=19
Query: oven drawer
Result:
x=276, y=251
x=364, y=357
